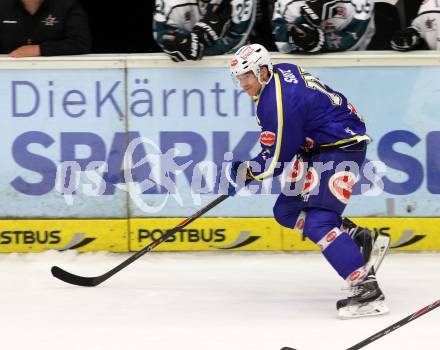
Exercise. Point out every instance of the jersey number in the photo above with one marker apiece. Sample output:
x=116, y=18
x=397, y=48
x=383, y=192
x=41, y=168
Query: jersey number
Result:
x=314, y=83
x=242, y=10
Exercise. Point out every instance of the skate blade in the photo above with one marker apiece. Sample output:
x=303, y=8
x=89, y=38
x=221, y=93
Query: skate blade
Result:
x=380, y=248
x=373, y=308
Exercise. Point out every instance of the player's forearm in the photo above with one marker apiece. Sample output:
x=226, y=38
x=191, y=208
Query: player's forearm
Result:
x=280, y=32
x=234, y=38
x=161, y=30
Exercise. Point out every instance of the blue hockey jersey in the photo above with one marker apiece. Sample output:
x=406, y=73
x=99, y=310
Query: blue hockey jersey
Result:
x=297, y=111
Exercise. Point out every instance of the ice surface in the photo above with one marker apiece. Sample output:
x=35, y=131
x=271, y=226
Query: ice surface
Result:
x=210, y=301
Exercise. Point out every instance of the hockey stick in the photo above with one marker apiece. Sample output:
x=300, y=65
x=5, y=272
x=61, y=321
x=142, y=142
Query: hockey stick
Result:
x=396, y=325
x=389, y=329
x=68, y=277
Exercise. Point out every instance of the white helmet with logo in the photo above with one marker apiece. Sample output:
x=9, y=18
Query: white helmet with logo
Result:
x=251, y=58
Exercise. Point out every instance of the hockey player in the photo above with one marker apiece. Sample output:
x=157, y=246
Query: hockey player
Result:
x=301, y=116
x=424, y=30
x=323, y=25
x=190, y=30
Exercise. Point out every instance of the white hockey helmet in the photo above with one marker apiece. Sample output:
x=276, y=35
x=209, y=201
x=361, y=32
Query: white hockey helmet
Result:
x=251, y=58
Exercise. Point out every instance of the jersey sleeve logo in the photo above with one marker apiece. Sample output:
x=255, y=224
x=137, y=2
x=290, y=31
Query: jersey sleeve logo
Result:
x=268, y=138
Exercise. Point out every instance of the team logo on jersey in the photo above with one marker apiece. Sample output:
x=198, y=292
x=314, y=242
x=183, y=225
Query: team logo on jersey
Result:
x=50, y=21
x=268, y=138
x=297, y=171
x=341, y=185
x=336, y=40
x=187, y=16
x=340, y=12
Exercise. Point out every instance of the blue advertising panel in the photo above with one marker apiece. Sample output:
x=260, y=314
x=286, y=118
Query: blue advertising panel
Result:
x=96, y=143
x=59, y=129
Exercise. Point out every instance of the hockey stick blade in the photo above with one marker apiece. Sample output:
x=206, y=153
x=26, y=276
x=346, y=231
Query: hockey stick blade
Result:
x=68, y=277
x=395, y=326
x=83, y=281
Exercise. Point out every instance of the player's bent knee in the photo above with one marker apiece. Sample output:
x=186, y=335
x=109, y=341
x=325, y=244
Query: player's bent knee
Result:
x=284, y=217
x=319, y=223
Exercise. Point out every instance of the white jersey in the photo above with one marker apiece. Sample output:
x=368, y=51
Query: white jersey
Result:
x=180, y=15
x=427, y=23
x=348, y=25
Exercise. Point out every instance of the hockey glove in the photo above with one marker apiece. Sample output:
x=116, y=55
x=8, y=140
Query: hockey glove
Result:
x=235, y=175
x=182, y=47
x=312, y=11
x=306, y=37
x=213, y=25
x=405, y=40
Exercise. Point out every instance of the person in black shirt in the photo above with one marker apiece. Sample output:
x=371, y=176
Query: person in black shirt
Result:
x=30, y=28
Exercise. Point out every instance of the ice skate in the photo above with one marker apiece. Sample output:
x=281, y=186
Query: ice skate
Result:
x=366, y=299
x=372, y=245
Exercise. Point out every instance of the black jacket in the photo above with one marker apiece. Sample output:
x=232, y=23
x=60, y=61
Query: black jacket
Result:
x=60, y=27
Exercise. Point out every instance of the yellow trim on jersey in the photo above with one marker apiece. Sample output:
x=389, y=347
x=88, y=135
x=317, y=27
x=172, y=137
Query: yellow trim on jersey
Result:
x=280, y=118
x=358, y=138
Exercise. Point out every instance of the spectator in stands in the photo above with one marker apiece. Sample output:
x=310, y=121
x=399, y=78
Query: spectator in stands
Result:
x=30, y=28
x=323, y=25
x=190, y=30
x=424, y=32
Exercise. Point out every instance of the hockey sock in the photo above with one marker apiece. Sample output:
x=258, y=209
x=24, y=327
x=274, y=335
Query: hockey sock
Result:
x=322, y=227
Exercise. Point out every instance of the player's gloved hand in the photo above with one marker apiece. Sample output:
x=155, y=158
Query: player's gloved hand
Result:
x=213, y=25
x=235, y=174
x=182, y=47
x=405, y=40
x=311, y=12
x=307, y=37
